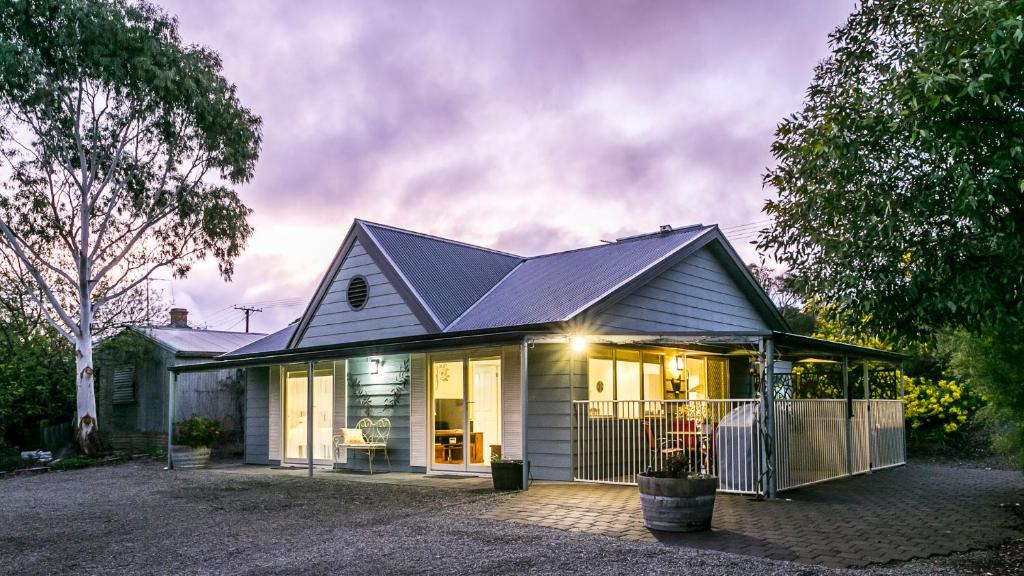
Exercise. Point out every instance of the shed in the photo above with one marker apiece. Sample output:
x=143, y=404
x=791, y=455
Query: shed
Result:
x=131, y=383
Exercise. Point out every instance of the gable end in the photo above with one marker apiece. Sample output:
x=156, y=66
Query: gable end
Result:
x=384, y=314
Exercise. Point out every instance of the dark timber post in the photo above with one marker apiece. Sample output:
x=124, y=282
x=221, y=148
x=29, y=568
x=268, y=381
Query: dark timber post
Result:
x=848, y=412
x=171, y=381
x=768, y=398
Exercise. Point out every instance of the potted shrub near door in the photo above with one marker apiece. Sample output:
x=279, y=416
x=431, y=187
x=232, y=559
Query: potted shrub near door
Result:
x=677, y=498
x=506, y=474
x=193, y=439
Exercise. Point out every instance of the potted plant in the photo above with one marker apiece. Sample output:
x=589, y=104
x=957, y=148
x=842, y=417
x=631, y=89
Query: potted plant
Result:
x=506, y=474
x=193, y=439
x=677, y=498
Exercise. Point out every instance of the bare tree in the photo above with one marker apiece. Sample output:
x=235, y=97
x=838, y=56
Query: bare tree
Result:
x=121, y=144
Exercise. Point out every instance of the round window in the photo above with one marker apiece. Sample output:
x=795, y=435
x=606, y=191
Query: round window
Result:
x=358, y=292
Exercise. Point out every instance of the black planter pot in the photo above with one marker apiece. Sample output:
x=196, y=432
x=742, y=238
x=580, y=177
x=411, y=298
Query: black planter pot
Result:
x=507, y=475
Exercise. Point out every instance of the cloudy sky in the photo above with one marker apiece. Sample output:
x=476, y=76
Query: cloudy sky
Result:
x=528, y=126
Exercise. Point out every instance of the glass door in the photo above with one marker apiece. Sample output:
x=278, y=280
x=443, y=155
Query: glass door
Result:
x=449, y=407
x=484, y=413
x=466, y=403
x=295, y=409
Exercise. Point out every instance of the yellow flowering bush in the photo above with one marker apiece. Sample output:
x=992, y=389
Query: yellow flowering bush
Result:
x=941, y=406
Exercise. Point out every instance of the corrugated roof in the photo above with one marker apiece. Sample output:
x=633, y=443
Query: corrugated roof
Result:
x=553, y=287
x=192, y=341
x=272, y=343
x=448, y=276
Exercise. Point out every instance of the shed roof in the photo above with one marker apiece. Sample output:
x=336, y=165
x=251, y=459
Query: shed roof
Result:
x=193, y=341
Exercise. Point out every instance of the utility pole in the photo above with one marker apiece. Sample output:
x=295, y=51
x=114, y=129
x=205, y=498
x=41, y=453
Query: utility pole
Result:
x=248, y=310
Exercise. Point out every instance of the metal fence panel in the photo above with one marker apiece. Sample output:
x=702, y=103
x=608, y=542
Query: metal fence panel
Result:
x=617, y=440
x=888, y=434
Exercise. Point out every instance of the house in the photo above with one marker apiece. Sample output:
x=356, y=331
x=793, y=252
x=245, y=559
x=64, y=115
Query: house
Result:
x=591, y=364
x=132, y=377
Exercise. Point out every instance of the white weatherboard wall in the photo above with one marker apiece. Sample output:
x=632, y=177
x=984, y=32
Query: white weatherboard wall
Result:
x=695, y=294
x=385, y=315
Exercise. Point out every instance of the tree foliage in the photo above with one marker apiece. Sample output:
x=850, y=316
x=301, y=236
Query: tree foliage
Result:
x=900, y=181
x=121, y=143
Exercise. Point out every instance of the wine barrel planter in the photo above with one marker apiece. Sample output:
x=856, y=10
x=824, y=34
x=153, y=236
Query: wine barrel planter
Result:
x=507, y=475
x=188, y=458
x=677, y=504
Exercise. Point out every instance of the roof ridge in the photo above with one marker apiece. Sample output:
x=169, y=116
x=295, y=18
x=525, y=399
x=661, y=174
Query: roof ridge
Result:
x=439, y=238
x=693, y=228
x=485, y=295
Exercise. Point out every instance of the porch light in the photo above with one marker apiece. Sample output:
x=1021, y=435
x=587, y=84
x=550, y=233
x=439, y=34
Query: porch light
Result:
x=578, y=343
x=678, y=364
x=375, y=366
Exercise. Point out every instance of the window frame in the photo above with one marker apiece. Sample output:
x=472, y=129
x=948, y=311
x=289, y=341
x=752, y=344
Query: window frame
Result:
x=636, y=355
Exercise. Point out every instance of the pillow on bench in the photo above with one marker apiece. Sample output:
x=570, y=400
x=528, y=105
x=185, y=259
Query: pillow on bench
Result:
x=352, y=436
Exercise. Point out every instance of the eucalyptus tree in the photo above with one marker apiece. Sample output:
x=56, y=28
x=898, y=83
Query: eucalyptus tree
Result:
x=121, y=145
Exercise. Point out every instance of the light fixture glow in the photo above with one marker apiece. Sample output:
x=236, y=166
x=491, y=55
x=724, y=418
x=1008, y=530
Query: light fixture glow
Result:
x=375, y=366
x=679, y=364
x=578, y=343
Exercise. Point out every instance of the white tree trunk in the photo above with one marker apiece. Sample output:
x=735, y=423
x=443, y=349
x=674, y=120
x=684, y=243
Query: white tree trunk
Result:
x=85, y=419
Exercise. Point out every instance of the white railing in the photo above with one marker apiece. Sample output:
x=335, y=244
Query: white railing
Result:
x=616, y=440
x=888, y=435
x=810, y=441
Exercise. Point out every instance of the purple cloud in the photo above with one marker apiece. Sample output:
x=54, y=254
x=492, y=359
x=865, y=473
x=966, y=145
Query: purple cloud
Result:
x=529, y=126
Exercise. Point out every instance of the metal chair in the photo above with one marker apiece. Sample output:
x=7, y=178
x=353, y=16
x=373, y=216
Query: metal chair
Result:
x=375, y=437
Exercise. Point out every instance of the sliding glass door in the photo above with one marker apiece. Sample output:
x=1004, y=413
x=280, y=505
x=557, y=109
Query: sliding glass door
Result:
x=296, y=406
x=466, y=406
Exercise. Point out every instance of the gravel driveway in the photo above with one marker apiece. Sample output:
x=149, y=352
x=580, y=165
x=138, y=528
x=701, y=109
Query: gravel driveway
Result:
x=136, y=518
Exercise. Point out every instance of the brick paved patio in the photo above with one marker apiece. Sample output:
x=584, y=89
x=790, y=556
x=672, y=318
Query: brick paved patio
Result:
x=896, y=515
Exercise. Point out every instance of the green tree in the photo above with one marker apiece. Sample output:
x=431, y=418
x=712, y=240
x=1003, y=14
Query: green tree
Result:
x=122, y=143
x=900, y=183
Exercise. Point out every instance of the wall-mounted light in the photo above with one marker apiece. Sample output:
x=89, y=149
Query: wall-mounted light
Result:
x=374, y=365
x=578, y=343
x=680, y=363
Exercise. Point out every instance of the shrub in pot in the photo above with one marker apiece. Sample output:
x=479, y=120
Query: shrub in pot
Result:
x=677, y=498
x=193, y=439
x=507, y=474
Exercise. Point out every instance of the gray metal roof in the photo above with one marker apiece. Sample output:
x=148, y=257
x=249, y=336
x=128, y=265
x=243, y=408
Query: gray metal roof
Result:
x=448, y=276
x=554, y=287
x=268, y=343
x=193, y=341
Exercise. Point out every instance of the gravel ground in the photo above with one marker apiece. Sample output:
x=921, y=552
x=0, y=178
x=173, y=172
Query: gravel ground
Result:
x=135, y=518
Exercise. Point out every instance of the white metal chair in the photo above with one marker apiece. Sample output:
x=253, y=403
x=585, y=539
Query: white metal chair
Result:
x=375, y=437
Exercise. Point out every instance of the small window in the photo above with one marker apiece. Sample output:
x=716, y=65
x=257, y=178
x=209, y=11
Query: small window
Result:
x=358, y=292
x=124, y=385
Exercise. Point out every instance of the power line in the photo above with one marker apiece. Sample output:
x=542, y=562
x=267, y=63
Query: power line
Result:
x=248, y=311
